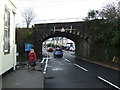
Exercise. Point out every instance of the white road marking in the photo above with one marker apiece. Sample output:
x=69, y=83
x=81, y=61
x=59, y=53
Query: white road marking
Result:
x=42, y=60
x=81, y=67
x=46, y=65
x=108, y=82
x=57, y=69
x=67, y=60
x=46, y=60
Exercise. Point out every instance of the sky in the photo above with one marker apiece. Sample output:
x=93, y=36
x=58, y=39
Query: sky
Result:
x=58, y=9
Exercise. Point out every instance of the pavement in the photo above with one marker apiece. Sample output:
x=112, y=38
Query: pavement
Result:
x=23, y=78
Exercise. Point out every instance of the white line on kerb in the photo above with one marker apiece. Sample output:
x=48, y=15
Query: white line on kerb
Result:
x=67, y=60
x=81, y=67
x=108, y=82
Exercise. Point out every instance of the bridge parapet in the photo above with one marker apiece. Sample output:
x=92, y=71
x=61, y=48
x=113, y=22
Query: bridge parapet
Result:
x=75, y=28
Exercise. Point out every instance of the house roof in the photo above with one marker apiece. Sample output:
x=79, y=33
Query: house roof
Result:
x=12, y=3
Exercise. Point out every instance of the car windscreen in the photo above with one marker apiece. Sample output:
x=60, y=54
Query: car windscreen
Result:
x=58, y=50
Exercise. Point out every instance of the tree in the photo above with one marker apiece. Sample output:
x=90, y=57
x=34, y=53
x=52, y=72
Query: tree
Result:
x=118, y=16
x=28, y=16
x=118, y=9
x=93, y=14
x=109, y=12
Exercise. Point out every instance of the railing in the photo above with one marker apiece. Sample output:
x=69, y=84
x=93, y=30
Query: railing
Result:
x=53, y=21
x=58, y=20
x=63, y=29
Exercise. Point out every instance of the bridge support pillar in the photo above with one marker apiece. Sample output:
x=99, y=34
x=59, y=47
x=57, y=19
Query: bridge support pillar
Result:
x=82, y=48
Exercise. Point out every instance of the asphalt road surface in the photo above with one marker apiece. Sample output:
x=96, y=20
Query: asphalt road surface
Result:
x=71, y=72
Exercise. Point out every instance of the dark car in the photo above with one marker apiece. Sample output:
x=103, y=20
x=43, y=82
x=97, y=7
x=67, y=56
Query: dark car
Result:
x=58, y=53
x=68, y=48
x=50, y=49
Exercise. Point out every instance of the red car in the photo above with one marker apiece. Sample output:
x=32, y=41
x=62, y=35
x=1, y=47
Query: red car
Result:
x=50, y=49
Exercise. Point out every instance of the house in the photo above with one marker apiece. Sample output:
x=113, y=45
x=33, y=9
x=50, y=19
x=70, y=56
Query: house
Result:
x=7, y=36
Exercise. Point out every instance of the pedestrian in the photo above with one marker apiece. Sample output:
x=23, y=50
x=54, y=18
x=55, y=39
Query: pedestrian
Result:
x=32, y=59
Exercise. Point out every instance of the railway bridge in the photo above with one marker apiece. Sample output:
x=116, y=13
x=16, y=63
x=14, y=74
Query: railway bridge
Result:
x=78, y=32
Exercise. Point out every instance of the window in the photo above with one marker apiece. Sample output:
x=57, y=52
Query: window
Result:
x=6, y=31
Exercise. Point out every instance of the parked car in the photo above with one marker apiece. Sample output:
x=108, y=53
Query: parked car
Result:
x=58, y=53
x=50, y=49
x=72, y=49
x=68, y=48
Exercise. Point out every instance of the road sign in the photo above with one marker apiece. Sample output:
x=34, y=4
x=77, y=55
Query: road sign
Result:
x=62, y=30
x=28, y=47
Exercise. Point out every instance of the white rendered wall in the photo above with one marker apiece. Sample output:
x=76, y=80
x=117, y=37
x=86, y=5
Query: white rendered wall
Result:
x=7, y=60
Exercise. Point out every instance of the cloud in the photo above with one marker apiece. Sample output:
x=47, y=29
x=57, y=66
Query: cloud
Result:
x=56, y=9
